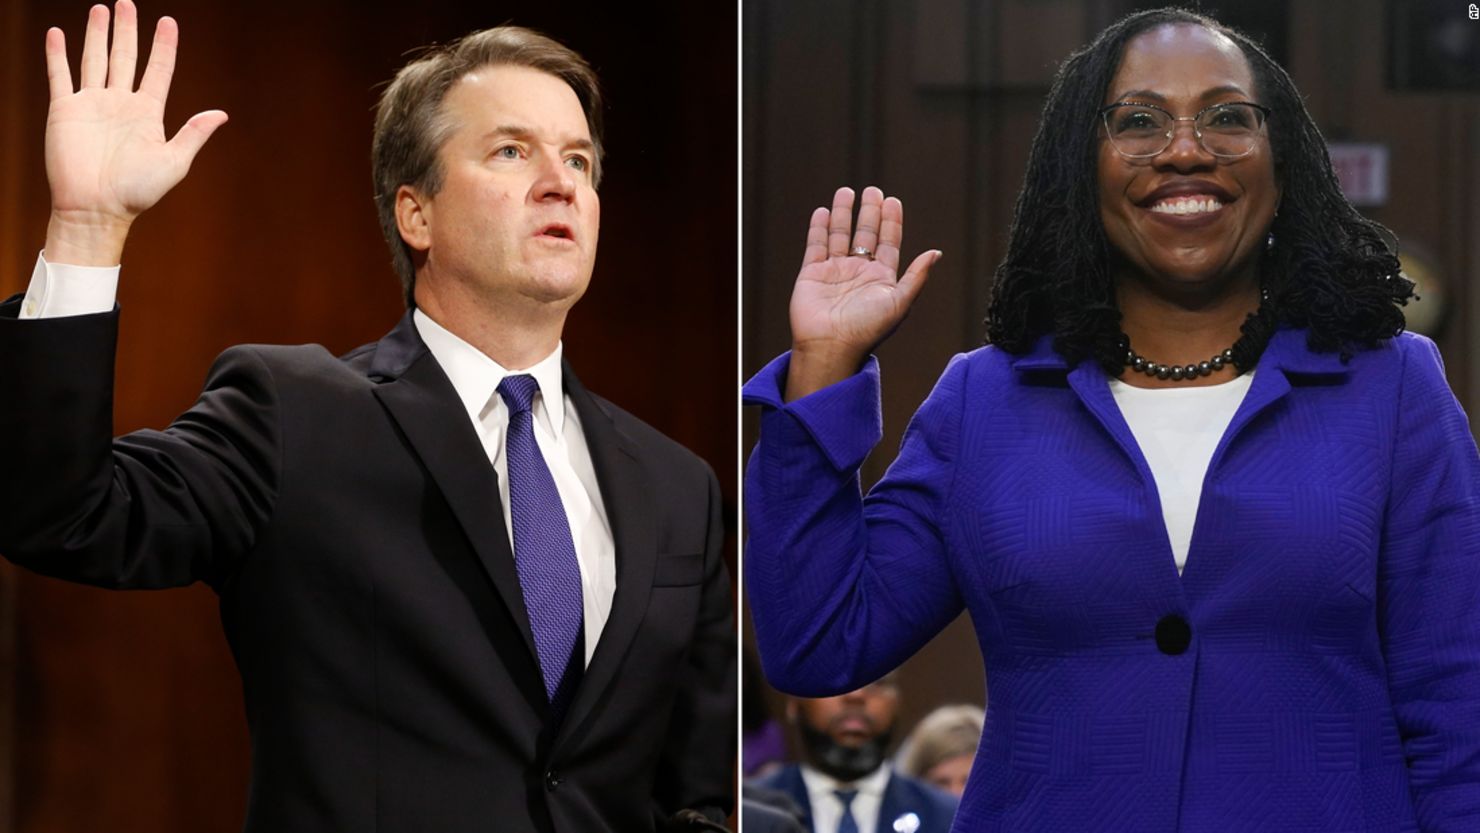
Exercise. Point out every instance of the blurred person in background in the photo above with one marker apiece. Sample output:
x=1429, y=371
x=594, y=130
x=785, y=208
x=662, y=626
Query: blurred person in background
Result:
x=1214, y=514
x=844, y=783
x=940, y=748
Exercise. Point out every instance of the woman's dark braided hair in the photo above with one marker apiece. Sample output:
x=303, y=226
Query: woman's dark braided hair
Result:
x=1330, y=269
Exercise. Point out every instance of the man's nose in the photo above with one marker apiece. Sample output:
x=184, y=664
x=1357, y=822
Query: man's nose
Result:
x=556, y=180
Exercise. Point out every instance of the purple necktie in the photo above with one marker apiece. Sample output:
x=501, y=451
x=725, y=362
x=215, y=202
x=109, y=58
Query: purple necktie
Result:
x=544, y=554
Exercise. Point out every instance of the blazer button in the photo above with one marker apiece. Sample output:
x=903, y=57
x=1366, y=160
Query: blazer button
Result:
x=552, y=780
x=1173, y=635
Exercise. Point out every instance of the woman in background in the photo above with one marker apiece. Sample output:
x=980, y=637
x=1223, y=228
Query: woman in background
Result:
x=940, y=747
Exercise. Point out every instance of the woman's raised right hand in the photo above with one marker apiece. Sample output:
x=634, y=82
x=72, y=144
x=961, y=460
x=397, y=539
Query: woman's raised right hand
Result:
x=107, y=158
x=846, y=301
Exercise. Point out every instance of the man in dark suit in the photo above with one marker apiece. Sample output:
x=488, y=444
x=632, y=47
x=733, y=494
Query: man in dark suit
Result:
x=844, y=783
x=464, y=593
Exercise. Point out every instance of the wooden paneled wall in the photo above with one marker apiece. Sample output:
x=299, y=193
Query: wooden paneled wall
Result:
x=937, y=102
x=128, y=714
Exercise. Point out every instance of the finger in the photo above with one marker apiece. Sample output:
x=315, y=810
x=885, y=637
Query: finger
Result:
x=866, y=235
x=58, y=72
x=891, y=233
x=125, y=54
x=95, y=48
x=914, y=278
x=161, y=66
x=816, y=250
x=840, y=223
x=192, y=137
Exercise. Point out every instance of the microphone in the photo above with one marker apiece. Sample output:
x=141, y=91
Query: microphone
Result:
x=687, y=819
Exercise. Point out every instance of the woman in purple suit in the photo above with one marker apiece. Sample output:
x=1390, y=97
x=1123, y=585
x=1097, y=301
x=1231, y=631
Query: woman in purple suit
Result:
x=1215, y=517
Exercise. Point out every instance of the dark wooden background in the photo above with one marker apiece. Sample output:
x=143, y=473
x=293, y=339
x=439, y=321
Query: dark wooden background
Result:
x=121, y=711
x=937, y=102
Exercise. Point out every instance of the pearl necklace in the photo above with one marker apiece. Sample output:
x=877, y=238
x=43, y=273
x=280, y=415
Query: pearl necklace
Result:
x=1175, y=372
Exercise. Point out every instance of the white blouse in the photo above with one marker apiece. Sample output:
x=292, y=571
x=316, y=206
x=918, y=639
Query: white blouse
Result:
x=1178, y=429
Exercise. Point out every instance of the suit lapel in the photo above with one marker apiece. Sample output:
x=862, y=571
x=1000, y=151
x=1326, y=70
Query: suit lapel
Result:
x=626, y=494
x=892, y=806
x=422, y=401
x=792, y=783
x=1285, y=364
x=1155, y=567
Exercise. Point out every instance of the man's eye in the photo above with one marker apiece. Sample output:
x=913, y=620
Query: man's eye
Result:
x=507, y=152
x=580, y=163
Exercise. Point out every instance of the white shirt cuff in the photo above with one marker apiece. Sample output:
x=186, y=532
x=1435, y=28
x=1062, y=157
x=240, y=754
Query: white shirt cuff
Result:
x=59, y=289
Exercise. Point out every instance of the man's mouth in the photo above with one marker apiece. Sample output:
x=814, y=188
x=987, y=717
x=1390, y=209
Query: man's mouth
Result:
x=556, y=230
x=854, y=724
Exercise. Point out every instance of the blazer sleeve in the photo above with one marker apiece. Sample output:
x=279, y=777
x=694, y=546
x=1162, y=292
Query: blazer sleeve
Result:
x=151, y=509
x=696, y=770
x=843, y=589
x=1429, y=595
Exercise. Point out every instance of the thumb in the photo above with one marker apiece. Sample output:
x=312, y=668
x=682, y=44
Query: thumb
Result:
x=914, y=277
x=192, y=137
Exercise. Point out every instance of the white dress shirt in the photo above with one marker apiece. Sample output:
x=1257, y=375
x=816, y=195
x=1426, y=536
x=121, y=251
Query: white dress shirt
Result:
x=557, y=432
x=1178, y=430
x=58, y=290
x=827, y=808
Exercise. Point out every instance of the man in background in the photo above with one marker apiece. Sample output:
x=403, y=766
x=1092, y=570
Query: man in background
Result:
x=463, y=592
x=844, y=783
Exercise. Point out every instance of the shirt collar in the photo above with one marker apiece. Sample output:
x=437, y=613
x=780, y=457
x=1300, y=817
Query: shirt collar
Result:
x=476, y=377
x=820, y=783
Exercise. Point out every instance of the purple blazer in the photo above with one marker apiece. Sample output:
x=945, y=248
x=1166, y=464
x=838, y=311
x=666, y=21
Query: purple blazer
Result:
x=1315, y=668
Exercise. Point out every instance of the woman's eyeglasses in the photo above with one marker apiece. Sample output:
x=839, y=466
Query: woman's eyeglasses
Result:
x=1228, y=131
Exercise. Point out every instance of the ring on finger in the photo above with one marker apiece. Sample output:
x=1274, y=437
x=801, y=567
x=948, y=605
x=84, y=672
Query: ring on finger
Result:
x=860, y=251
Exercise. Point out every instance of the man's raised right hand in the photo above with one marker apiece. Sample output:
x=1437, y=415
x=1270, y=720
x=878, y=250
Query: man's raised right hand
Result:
x=106, y=155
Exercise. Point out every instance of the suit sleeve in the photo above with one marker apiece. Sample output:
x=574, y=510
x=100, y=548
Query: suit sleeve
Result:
x=1429, y=595
x=697, y=768
x=151, y=509
x=843, y=589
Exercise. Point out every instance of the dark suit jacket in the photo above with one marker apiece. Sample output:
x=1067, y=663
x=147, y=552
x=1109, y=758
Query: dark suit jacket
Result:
x=345, y=512
x=933, y=809
x=763, y=818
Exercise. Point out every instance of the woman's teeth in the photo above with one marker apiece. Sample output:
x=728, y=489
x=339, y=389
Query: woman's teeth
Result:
x=1186, y=205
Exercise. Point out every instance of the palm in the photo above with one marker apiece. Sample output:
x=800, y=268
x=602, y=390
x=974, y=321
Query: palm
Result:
x=850, y=302
x=106, y=152
x=850, y=299
x=107, y=157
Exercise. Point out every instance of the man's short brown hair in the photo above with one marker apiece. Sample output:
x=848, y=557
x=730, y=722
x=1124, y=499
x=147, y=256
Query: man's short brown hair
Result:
x=410, y=125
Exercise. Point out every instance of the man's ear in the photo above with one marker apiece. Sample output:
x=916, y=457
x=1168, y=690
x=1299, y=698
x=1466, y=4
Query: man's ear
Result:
x=412, y=218
x=791, y=710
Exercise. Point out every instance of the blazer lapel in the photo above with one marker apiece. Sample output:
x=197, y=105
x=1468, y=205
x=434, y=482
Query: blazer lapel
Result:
x=791, y=782
x=1286, y=361
x=1157, y=568
x=422, y=401
x=626, y=494
x=1090, y=384
x=893, y=805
